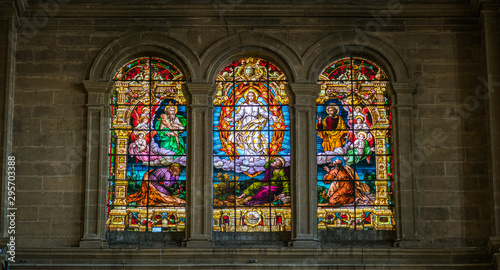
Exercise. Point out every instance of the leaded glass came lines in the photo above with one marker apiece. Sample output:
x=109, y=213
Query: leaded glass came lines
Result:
x=354, y=147
x=147, y=158
x=251, y=168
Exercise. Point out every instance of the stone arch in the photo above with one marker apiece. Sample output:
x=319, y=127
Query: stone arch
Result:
x=249, y=44
x=123, y=49
x=99, y=88
x=332, y=47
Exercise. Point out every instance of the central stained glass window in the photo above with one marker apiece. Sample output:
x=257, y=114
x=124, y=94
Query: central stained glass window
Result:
x=251, y=164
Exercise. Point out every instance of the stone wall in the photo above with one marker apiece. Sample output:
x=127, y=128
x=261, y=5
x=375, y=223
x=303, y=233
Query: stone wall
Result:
x=441, y=46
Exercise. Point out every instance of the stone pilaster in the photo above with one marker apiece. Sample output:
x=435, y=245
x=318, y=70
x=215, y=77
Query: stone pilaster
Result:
x=490, y=21
x=95, y=170
x=303, y=180
x=405, y=181
x=199, y=184
x=9, y=17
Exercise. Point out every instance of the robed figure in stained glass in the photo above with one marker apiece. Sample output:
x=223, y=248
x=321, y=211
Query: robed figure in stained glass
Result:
x=345, y=187
x=354, y=147
x=251, y=117
x=251, y=164
x=274, y=186
x=169, y=127
x=155, y=187
x=332, y=129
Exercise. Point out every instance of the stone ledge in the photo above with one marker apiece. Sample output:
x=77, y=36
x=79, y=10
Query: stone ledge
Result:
x=259, y=258
x=250, y=265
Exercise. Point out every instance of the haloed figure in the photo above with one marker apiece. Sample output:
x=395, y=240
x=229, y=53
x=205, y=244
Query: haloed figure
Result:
x=169, y=127
x=251, y=117
x=332, y=129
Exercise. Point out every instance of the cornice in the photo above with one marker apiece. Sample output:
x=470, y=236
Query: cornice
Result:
x=244, y=11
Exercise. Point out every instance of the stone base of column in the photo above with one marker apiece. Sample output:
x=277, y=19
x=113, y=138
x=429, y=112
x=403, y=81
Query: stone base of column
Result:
x=304, y=242
x=407, y=243
x=494, y=250
x=494, y=244
x=198, y=243
x=93, y=242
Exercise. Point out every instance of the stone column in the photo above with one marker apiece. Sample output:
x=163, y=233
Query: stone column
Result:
x=303, y=180
x=199, y=174
x=95, y=170
x=403, y=146
x=9, y=13
x=490, y=19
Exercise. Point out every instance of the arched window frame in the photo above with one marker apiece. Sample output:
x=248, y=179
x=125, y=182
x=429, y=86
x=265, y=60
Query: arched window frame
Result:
x=401, y=89
x=356, y=91
x=304, y=234
x=144, y=89
x=239, y=76
x=99, y=88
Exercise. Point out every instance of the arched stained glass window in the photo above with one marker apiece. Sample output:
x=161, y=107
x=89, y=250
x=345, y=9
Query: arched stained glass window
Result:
x=354, y=147
x=251, y=170
x=147, y=155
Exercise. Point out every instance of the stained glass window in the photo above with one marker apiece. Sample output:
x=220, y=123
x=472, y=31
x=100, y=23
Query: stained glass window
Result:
x=147, y=155
x=251, y=164
x=354, y=147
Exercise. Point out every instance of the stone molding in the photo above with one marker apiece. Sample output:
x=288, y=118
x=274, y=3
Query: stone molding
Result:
x=344, y=44
x=13, y=9
x=262, y=258
x=249, y=44
x=250, y=8
x=135, y=44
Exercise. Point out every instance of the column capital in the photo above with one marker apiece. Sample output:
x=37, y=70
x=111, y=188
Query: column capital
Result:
x=304, y=88
x=96, y=86
x=199, y=93
x=199, y=88
x=488, y=16
x=304, y=94
x=96, y=91
x=404, y=87
x=404, y=93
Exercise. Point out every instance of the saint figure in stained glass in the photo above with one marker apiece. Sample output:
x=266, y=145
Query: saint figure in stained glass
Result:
x=147, y=172
x=251, y=148
x=332, y=129
x=168, y=127
x=354, y=147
